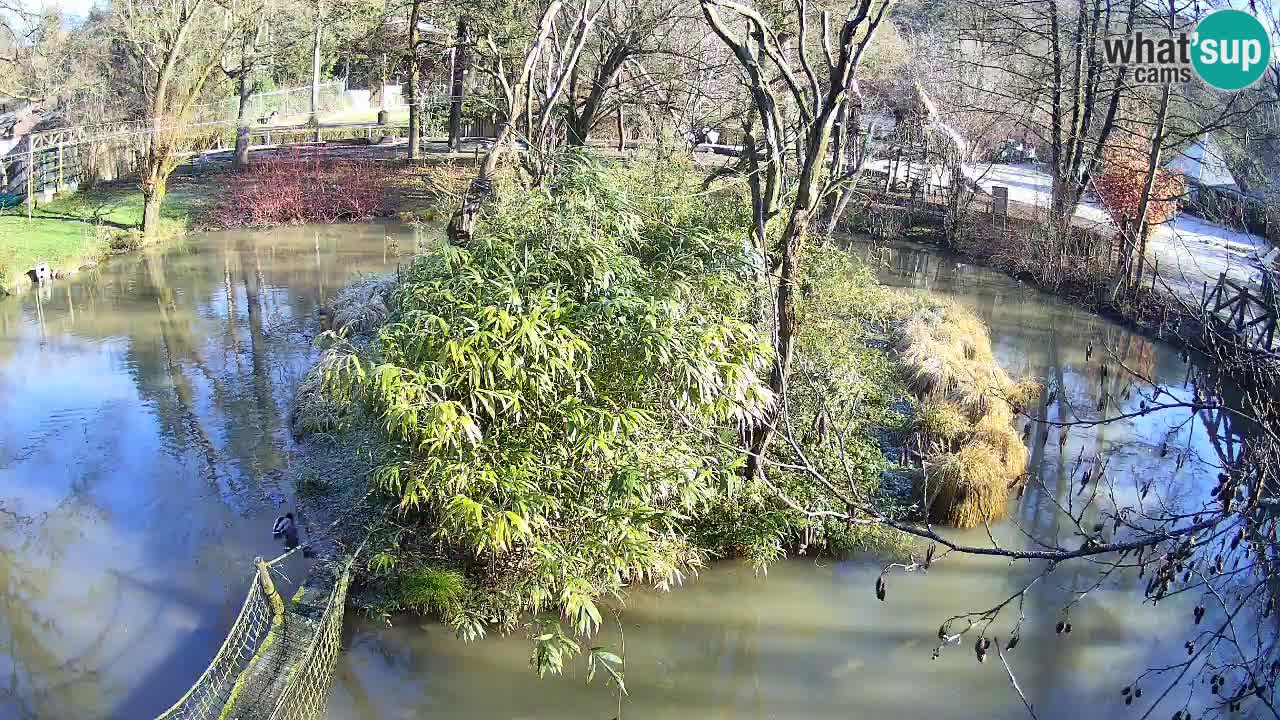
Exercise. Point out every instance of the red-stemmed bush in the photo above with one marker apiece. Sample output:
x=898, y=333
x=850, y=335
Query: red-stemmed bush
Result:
x=304, y=187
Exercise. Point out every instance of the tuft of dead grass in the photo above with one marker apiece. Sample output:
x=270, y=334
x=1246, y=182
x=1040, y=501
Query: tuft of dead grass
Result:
x=355, y=314
x=361, y=307
x=972, y=454
x=967, y=487
x=943, y=421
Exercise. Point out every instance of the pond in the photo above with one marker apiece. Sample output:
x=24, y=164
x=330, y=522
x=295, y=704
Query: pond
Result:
x=143, y=456
x=145, y=451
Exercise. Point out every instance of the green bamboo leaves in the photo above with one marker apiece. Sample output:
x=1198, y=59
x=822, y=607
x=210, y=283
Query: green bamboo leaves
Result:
x=557, y=389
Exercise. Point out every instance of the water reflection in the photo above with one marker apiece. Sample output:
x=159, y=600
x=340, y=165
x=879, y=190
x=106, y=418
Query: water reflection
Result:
x=144, y=452
x=1093, y=369
x=810, y=640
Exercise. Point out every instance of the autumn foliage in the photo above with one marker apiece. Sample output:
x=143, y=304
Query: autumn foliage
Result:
x=304, y=188
x=1122, y=180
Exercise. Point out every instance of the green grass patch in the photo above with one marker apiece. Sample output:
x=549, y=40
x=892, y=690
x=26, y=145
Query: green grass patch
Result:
x=430, y=589
x=83, y=227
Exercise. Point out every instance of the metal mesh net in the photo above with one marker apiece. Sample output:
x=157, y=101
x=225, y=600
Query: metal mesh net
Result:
x=212, y=690
x=306, y=692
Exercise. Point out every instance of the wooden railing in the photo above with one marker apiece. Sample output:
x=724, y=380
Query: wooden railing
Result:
x=1248, y=314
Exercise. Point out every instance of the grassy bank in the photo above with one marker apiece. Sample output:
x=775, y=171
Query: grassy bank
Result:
x=84, y=227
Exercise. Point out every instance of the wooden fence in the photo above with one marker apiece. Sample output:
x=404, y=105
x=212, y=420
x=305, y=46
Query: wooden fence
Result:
x=60, y=160
x=1249, y=315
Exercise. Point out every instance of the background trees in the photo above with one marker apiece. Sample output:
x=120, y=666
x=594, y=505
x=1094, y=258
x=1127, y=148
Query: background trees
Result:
x=170, y=50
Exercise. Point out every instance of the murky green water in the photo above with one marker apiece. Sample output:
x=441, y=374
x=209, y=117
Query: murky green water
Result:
x=810, y=640
x=145, y=448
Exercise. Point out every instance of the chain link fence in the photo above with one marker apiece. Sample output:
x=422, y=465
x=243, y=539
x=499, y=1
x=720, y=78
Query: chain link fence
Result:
x=277, y=105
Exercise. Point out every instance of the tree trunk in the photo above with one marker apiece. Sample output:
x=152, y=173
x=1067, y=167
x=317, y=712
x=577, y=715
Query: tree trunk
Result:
x=457, y=85
x=1153, y=164
x=581, y=123
x=762, y=434
x=415, y=118
x=242, y=119
x=315, y=69
x=153, y=192
x=462, y=224
x=622, y=131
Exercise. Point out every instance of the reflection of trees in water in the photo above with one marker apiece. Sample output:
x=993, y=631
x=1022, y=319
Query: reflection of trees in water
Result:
x=44, y=680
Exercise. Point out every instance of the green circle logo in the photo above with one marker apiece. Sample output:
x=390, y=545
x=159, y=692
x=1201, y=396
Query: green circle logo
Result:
x=1232, y=49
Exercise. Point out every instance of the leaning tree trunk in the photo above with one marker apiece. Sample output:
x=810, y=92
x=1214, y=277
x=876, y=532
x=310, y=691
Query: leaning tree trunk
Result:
x=462, y=224
x=1153, y=164
x=804, y=207
x=581, y=122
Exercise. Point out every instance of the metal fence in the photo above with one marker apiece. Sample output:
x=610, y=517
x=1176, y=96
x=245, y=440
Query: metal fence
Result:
x=287, y=103
x=66, y=159
x=306, y=695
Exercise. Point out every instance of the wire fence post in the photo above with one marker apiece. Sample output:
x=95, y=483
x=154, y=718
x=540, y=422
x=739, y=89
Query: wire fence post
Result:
x=31, y=176
x=269, y=589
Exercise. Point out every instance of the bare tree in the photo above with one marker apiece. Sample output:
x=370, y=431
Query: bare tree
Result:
x=515, y=91
x=786, y=182
x=174, y=48
x=626, y=30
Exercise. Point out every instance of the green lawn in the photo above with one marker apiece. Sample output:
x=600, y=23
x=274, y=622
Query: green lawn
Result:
x=79, y=228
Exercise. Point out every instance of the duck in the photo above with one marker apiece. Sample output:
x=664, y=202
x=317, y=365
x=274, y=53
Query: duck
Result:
x=283, y=524
x=286, y=528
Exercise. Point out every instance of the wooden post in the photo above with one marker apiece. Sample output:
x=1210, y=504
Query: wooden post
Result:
x=269, y=589
x=61, y=176
x=31, y=176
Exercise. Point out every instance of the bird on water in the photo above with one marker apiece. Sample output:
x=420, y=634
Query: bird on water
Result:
x=286, y=528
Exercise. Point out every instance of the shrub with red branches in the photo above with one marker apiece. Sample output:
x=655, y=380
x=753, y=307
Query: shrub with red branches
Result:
x=304, y=188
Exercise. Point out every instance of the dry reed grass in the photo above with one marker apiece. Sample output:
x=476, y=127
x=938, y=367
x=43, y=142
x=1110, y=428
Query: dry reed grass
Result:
x=355, y=313
x=361, y=307
x=972, y=454
x=966, y=488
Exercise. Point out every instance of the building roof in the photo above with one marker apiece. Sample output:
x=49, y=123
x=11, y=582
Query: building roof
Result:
x=1203, y=162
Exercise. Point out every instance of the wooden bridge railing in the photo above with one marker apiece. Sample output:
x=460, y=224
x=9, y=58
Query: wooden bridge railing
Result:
x=1250, y=315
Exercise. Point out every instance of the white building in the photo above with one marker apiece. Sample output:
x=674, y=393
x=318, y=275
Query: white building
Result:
x=1203, y=163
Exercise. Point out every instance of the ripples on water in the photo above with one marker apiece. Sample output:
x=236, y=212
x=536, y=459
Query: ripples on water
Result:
x=144, y=450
